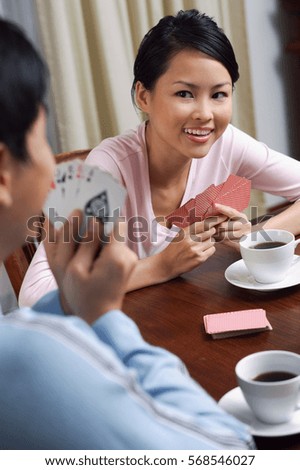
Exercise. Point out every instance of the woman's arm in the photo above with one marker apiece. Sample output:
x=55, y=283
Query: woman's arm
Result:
x=289, y=219
x=38, y=279
x=190, y=248
x=193, y=246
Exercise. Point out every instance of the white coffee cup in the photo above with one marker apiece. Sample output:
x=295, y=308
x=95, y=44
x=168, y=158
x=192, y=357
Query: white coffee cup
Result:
x=268, y=265
x=271, y=402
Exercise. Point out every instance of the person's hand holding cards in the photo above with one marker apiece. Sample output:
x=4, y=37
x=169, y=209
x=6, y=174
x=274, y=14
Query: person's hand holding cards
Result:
x=231, y=230
x=92, y=277
x=234, y=193
x=228, y=199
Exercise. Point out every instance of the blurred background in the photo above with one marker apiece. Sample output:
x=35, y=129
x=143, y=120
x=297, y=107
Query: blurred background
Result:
x=90, y=46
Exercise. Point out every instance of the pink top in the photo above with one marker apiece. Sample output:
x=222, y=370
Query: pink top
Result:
x=125, y=157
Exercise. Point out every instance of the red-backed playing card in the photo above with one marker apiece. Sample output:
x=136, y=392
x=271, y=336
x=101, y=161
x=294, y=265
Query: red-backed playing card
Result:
x=234, y=192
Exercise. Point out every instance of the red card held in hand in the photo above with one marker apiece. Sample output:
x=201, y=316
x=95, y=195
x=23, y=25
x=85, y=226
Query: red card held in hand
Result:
x=234, y=192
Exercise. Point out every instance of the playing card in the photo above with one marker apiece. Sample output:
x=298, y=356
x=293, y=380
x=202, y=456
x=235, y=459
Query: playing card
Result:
x=191, y=211
x=105, y=194
x=57, y=194
x=74, y=177
x=234, y=192
x=204, y=201
x=78, y=185
x=237, y=196
x=181, y=217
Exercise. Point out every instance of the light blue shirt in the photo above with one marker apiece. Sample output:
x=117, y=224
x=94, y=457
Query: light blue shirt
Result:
x=66, y=385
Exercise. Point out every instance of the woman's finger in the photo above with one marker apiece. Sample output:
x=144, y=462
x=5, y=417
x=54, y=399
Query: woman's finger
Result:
x=230, y=212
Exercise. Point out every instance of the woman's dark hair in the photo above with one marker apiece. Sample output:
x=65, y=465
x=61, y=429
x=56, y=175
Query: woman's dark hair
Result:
x=23, y=84
x=189, y=29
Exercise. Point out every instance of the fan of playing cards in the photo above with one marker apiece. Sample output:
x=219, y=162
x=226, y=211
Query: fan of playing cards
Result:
x=78, y=185
x=234, y=192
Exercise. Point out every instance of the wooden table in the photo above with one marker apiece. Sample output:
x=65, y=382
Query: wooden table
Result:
x=171, y=315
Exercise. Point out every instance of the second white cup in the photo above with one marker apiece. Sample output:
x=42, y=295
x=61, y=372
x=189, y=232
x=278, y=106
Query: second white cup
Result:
x=268, y=254
x=270, y=382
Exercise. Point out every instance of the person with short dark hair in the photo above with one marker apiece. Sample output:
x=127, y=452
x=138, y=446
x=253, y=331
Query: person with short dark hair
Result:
x=184, y=77
x=82, y=377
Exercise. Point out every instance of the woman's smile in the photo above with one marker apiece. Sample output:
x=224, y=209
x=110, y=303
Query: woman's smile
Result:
x=198, y=135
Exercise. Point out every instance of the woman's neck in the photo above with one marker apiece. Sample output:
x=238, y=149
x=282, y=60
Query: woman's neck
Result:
x=168, y=175
x=165, y=169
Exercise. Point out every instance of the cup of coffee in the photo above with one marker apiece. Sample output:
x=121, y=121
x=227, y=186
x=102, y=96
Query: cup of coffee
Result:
x=268, y=254
x=270, y=382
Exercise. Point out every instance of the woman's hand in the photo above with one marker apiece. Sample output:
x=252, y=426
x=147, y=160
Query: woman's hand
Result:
x=233, y=228
x=191, y=247
x=92, y=276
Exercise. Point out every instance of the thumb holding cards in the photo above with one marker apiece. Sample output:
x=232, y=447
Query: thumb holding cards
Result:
x=92, y=276
x=234, y=227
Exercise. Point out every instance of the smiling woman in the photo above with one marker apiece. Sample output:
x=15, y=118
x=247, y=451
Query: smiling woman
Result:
x=185, y=72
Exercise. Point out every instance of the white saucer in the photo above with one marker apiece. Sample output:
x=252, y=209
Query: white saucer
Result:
x=234, y=403
x=238, y=275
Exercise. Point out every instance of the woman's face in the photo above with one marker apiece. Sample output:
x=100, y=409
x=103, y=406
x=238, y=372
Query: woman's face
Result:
x=189, y=107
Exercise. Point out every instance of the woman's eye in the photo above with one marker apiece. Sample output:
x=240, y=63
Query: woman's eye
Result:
x=219, y=95
x=184, y=94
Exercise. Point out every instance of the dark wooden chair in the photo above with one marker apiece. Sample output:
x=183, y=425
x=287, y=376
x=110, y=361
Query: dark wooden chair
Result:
x=18, y=262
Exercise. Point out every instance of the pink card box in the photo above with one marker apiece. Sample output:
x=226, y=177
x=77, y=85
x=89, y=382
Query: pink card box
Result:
x=240, y=322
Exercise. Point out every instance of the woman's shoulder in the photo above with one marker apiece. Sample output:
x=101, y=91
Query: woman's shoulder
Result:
x=125, y=144
x=122, y=154
x=238, y=142
x=233, y=133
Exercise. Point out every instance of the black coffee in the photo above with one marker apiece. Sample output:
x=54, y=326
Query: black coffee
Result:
x=274, y=376
x=266, y=245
